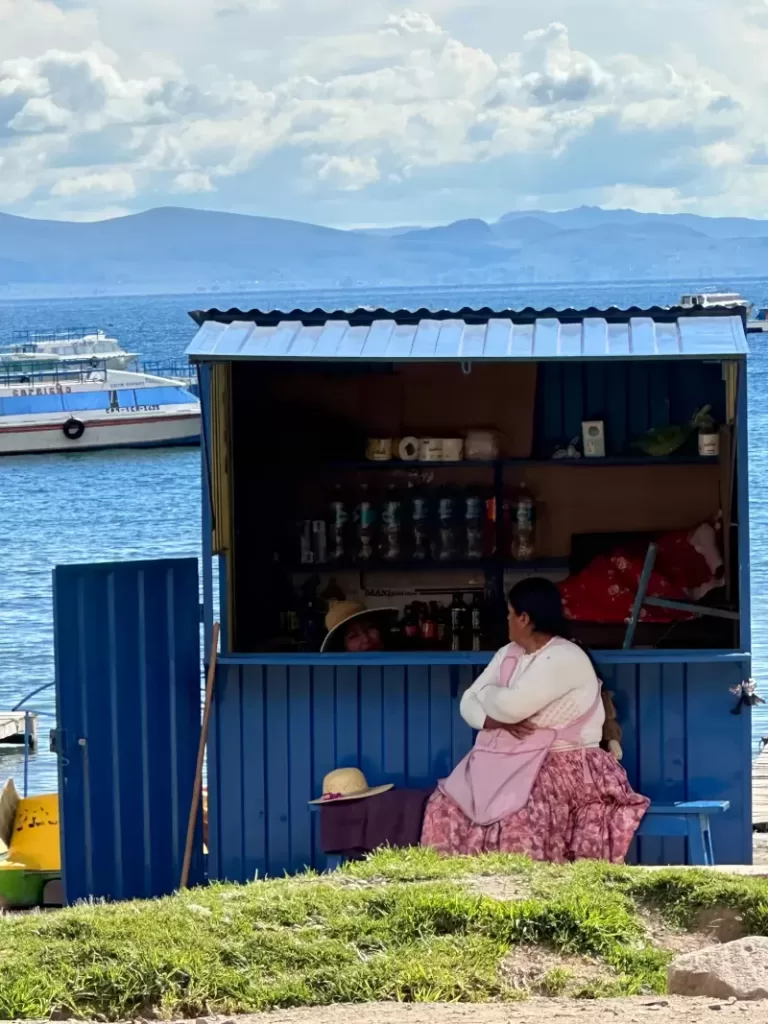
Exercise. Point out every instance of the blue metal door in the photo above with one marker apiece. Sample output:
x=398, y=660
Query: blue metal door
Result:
x=127, y=648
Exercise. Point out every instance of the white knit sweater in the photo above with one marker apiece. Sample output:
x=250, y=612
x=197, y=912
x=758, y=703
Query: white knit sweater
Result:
x=551, y=687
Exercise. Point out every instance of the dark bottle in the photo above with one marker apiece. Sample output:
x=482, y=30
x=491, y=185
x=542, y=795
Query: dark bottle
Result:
x=306, y=550
x=392, y=526
x=458, y=612
x=338, y=528
x=419, y=515
x=443, y=618
x=365, y=522
x=410, y=627
x=428, y=626
x=476, y=613
x=310, y=615
x=473, y=524
x=331, y=593
x=446, y=546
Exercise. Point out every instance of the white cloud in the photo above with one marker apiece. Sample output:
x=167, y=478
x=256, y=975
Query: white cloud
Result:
x=119, y=184
x=347, y=173
x=192, y=181
x=348, y=112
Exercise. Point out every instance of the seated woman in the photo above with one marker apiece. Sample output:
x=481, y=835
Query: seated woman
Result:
x=536, y=782
x=354, y=628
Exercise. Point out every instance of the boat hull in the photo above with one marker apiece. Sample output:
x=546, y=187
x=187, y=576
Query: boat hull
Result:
x=101, y=432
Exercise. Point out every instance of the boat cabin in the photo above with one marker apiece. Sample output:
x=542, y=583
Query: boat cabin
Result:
x=422, y=462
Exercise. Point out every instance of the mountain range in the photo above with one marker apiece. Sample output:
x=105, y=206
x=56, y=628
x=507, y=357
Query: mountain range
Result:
x=177, y=249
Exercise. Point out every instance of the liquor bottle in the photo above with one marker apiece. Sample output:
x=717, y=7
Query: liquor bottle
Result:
x=310, y=615
x=443, y=619
x=458, y=622
x=428, y=626
x=523, y=526
x=410, y=628
x=476, y=617
x=331, y=593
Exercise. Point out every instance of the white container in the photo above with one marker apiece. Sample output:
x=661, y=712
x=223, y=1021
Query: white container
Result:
x=431, y=449
x=453, y=449
x=379, y=449
x=481, y=446
x=408, y=449
x=593, y=438
x=709, y=444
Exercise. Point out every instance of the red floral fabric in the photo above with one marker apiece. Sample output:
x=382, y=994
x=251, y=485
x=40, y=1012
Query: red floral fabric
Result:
x=605, y=591
x=581, y=807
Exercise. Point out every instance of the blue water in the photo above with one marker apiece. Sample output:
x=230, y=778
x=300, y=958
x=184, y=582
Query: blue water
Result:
x=122, y=505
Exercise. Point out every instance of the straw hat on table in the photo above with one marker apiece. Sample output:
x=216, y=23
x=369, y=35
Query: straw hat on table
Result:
x=348, y=784
x=342, y=613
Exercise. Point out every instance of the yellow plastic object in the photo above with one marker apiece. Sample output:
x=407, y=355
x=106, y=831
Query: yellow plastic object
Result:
x=35, y=842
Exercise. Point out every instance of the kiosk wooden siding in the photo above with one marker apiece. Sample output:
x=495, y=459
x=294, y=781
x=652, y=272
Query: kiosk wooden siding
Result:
x=282, y=721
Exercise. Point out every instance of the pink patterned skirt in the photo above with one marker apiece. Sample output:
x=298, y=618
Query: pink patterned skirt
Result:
x=581, y=807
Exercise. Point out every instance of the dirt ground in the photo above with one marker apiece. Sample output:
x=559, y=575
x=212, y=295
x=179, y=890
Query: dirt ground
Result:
x=661, y=1010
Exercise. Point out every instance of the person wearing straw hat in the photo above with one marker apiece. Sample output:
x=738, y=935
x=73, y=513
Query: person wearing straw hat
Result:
x=354, y=628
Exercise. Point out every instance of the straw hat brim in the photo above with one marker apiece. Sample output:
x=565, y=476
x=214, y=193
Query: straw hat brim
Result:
x=333, y=639
x=373, y=791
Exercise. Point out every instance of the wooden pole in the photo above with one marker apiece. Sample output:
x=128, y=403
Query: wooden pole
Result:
x=210, y=681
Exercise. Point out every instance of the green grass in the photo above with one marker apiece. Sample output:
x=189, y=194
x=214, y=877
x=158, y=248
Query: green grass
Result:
x=396, y=927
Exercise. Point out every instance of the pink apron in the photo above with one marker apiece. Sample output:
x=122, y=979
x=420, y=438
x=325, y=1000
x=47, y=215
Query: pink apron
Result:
x=496, y=777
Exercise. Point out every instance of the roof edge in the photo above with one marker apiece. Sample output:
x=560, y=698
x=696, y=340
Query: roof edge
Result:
x=363, y=317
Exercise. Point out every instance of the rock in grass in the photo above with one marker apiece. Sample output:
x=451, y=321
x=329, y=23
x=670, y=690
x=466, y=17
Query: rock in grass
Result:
x=731, y=970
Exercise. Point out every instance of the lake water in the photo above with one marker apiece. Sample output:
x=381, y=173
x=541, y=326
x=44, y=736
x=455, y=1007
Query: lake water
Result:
x=146, y=504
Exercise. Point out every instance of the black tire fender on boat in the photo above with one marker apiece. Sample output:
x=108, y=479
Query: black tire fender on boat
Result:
x=73, y=429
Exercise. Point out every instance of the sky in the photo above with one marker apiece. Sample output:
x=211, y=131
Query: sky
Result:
x=360, y=112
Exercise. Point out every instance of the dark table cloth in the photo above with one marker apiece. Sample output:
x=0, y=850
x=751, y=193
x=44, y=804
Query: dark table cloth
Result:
x=354, y=828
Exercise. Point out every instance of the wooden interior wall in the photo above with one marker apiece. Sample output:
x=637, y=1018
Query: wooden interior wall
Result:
x=610, y=499
x=424, y=400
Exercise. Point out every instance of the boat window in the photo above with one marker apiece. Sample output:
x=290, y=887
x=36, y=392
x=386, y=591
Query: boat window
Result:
x=27, y=405
x=126, y=399
x=86, y=400
x=161, y=396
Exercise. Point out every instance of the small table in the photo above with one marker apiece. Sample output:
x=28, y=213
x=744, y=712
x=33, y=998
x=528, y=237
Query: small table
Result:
x=689, y=819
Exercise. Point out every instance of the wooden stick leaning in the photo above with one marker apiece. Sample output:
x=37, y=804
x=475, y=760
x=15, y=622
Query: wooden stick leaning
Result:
x=197, y=789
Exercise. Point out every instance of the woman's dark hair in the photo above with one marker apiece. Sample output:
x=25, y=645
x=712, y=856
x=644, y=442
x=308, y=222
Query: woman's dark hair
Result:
x=540, y=599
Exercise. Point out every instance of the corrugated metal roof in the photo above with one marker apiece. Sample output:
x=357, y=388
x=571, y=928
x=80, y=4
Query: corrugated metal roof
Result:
x=467, y=335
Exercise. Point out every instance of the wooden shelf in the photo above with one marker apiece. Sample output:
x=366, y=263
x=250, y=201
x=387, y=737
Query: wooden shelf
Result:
x=484, y=565
x=396, y=466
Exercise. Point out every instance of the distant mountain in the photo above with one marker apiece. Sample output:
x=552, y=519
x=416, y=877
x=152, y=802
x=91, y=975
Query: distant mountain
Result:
x=173, y=249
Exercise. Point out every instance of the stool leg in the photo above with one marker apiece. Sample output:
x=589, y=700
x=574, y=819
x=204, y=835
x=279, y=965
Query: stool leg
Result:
x=706, y=832
x=697, y=852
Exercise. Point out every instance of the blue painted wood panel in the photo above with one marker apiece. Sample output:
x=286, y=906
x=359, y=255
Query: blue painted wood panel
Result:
x=630, y=397
x=126, y=639
x=279, y=728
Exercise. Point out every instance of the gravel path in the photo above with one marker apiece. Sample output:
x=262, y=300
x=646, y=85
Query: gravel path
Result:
x=663, y=1010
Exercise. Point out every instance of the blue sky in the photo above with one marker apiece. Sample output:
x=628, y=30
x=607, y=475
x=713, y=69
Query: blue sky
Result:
x=358, y=112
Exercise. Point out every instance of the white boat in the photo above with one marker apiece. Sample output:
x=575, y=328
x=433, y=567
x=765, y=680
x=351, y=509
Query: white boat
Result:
x=92, y=348
x=77, y=408
x=707, y=300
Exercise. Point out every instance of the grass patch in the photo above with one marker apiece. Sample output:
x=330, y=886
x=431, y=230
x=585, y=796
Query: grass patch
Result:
x=399, y=926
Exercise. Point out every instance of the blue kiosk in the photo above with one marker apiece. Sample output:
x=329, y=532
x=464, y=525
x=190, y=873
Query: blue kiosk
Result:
x=309, y=416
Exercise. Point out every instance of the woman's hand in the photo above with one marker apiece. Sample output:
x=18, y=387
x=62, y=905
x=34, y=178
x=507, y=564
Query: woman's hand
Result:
x=519, y=730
